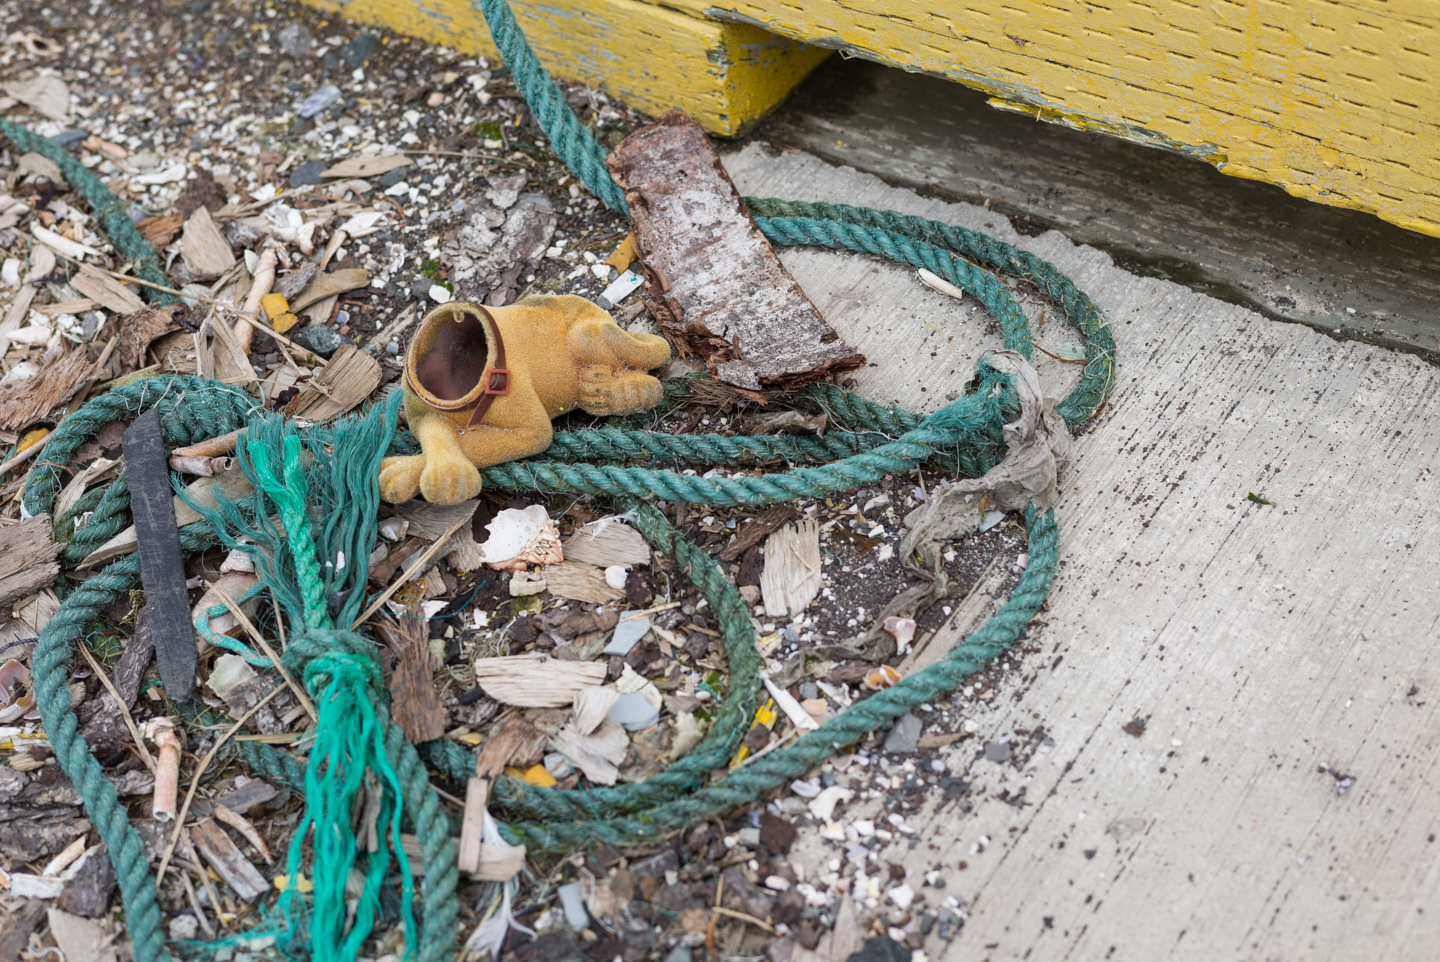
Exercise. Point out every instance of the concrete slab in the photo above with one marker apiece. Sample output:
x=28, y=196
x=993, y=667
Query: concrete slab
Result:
x=1163, y=214
x=1279, y=801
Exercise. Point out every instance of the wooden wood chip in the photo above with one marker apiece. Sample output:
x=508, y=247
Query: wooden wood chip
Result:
x=45, y=95
x=472, y=825
x=430, y=521
x=29, y=557
x=161, y=229
x=25, y=402
x=138, y=329
x=535, y=681
x=939, y=741
x=727, y=297
x=514, y=742
x=23, y=922
x=591, y=707
x=793, y=572
x=579, y=581
x=365, y=166
x=414, y=703
x=596, y=755
x=105, y=290
x=606, y=543
x=329, y=285
x=754, y=531
x=227, y=860
x=347, y=378
x=205, y=250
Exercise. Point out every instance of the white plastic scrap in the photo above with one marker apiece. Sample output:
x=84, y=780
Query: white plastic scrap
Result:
x=619, y=289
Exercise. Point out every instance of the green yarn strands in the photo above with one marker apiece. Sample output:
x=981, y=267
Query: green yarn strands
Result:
x=320, y=483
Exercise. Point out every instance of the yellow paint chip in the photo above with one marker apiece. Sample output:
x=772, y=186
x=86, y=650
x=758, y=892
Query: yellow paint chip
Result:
x=536, y=775
x=624, y=255
x=275, y=305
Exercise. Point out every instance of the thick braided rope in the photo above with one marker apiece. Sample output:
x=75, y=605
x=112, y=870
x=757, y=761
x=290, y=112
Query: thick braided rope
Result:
x=1079, y=309
x=571, y=141
x=53, y=650
x=106, y=208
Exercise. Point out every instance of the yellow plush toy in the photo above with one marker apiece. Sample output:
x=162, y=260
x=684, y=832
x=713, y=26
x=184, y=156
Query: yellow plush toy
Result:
x=481, y=385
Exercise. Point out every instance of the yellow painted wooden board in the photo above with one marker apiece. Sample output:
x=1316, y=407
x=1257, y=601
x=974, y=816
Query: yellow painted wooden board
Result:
x=1335, y=102
x=726, y=75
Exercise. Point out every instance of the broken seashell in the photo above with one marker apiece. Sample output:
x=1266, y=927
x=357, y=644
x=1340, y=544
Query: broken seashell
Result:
x=904, y=631
x=520, y=537
x=882, y=677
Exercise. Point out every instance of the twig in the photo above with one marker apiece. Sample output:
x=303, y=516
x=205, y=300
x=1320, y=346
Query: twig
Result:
x=254, y=633
x=120, y=702
x=195, y=904
x=1067, y=360
x=217, y=447
x=27, y=454
x=770, y=747
x=746, y=918
x=195, y=783
x=429, y=553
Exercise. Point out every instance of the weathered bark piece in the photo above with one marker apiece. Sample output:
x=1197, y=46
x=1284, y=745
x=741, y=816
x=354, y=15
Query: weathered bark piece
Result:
x=345, y=380
x=414, y=704
x=28, y=558
x=79, y=939
x=24, y=402
x=138, y=329
x=754, y=531
x=106, y=725
x=228, y=861
x=716, y=285
x=534, y=681
x=162, y=569
x=793, y=575
x=88, y=892
x=516, y=742
x=227, y=486
x=205, y=250
x=365, y=166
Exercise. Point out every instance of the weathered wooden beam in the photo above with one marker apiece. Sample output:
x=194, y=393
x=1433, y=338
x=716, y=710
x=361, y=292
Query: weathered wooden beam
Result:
x=715, y=284
x=28, y=558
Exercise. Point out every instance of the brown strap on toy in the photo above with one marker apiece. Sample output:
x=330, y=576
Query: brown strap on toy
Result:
x=497, y=378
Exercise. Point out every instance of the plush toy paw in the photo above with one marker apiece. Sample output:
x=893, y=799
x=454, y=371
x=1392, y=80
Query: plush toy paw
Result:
x=603, y=391
x=400, y=477
x=449, y=480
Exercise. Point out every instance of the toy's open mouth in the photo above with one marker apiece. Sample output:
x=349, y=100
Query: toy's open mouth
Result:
x=449, y=356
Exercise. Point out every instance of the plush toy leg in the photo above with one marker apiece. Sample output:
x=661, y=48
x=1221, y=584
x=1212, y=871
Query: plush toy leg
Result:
x=603, y=391
x=605, y=342
x=400, y=477
x=448, y=477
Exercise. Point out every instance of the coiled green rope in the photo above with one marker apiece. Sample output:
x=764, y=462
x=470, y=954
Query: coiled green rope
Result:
x=969, y=430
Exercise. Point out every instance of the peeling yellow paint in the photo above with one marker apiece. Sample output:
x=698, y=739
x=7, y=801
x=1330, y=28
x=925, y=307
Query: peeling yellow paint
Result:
x=726, y=75
x=1332, y=101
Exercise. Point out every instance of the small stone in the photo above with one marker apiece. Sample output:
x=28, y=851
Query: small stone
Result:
x=997, y=751
x=318, y=101
x=681, y=953
x=308, y=173
x=904, y=737
x=296, y=40
x=776, y=834
x=184, y=927
x=357, y=51
x=749, y=837
x=391, y=177
x=320, y=339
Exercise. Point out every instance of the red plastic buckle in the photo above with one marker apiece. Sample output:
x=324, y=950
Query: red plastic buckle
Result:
x=497, y=381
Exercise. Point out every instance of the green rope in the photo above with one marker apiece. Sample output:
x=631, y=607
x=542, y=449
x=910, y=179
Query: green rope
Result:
x=109, y=213
x=338, y=665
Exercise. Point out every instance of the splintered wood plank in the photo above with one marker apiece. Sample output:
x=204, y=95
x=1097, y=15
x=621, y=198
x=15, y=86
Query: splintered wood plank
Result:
x=100, y=287
x=28, y=558
x=228, y=861
x=205, y=250
x=25, y=402
x=514, y=742
x=716, y=285
x=535, y=681
x=345, y=380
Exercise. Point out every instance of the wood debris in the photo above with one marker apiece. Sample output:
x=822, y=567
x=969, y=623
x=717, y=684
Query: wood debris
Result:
x=366, y=166
x=25, y=402
x=29, y=557
x=729, y=299
x=514, y=742
x=330, y=285
x=603, y=544
x=228, y=861
x=579, y=581
x=136, y=331
x=793, y=573
x=105, y=290
x=348, y=378
x=752, y=532
x=535, y=681
x=414, y=704
x=596, y=755
x=228, y=485
x=204, y=248
x=46, y=95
